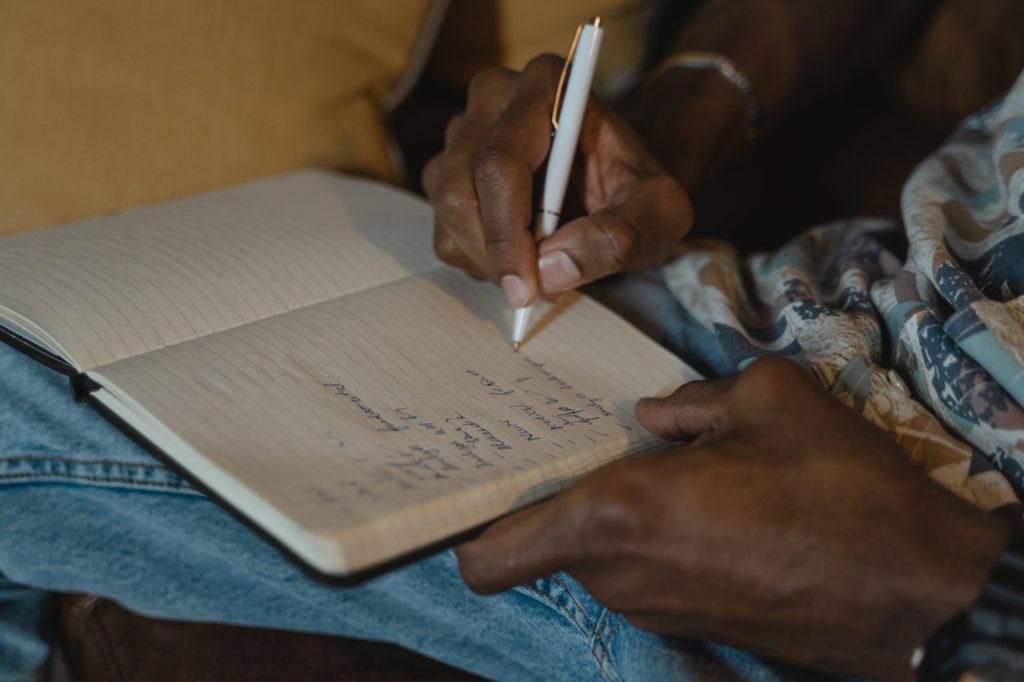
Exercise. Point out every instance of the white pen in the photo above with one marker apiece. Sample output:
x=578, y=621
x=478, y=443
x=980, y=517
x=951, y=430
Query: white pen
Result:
x=566, y=122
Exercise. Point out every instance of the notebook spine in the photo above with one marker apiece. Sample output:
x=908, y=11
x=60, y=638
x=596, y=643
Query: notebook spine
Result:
x=33, y=351
x=82, y=386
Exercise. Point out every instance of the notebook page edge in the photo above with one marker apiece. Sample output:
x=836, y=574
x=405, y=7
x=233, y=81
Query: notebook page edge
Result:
x=323, y=552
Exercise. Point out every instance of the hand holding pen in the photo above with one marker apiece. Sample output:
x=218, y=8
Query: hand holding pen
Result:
x=482, y=188
x=566, y=118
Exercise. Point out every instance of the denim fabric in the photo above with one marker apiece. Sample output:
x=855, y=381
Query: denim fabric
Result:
x=26, y=626
x=84, y=509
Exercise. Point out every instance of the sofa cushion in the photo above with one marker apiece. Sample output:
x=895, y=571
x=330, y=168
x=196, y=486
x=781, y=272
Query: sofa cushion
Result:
x=107, y=643
x=113, y=103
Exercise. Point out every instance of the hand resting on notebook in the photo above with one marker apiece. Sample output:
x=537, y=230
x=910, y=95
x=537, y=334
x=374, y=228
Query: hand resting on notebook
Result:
x=789, y=527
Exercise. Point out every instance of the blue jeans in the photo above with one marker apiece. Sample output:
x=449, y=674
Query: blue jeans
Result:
x=83, y=509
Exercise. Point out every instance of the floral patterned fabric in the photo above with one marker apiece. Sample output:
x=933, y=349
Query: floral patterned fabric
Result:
x=919, y=327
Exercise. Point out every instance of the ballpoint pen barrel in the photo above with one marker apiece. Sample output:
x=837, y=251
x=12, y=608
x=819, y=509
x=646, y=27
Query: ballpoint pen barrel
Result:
x=570, y=119
x=548, y=223
x=563, y=147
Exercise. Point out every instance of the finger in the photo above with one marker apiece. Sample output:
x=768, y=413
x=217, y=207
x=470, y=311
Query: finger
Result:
x=430, y=175
x=458, y=227
x=693, y=409
x=447, y=183
x=448, y=178
x=641, y=226
x=504, y=175
x=451, y=130
x=522, y=547
x=449, y=251
x=700, y=627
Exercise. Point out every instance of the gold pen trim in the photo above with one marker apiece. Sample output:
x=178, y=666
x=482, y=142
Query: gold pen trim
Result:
x=562, y=77
x=596, y=21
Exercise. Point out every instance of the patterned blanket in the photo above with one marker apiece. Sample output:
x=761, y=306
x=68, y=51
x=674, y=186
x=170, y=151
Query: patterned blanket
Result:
x=920, y=328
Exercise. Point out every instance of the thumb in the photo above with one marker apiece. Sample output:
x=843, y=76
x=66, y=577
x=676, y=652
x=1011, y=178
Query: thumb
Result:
x=695, y=408
x=639, y=228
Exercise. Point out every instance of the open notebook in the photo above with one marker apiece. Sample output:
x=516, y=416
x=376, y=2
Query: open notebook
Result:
x=293, y=345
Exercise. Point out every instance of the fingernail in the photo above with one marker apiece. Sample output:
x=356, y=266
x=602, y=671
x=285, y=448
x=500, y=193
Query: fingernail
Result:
x=557, y=271
x=515, y=290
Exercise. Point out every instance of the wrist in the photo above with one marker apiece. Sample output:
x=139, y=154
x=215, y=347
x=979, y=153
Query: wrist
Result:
x=959, y=554
x=693, y=120
x=986, y=640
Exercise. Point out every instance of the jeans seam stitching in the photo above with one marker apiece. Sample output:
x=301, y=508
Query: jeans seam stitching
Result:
x=600, y=657
x=575, y=602
x=58, y=474
x=607, y=639
x=142, y=470
x=95, y=479
x=114, y=462
x=558, y=607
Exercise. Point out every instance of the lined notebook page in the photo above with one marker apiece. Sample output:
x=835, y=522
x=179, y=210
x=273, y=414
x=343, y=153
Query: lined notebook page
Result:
x=122, y=285
x=390, y=419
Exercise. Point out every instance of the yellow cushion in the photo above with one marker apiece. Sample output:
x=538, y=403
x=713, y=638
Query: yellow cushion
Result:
x=479, y=34
x=106, y=104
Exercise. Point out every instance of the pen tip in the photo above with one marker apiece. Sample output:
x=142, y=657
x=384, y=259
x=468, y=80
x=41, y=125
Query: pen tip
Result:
x=516, y=345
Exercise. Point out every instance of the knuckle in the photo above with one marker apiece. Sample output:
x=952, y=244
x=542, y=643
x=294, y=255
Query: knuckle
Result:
x=618, y=243
x=771, y=377
x=720, y=421
x=451, y=130
x=493, y=167
x=615, y=519
x=445, y=247
x=774, y=368
x=546, y=65
x=500, y=244
x=487, y=83
x=428, y=177
x=503, y=250
x=454, y=206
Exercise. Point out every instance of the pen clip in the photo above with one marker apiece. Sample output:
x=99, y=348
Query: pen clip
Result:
x=556, y=110
x=562, y=78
